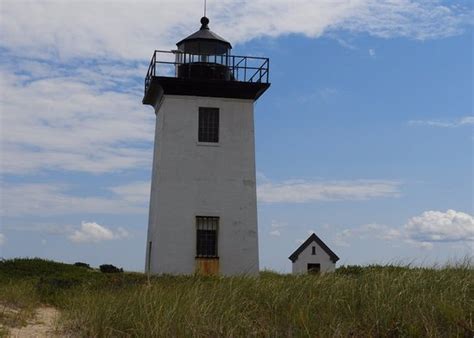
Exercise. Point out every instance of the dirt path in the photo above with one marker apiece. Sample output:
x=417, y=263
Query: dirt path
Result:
x=43, y=324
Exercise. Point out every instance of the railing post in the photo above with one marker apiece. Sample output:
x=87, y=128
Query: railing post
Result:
x=268, y=68
x=233, y=68
x=245, y=69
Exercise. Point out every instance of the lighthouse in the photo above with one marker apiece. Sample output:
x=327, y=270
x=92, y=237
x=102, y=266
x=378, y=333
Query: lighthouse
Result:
x=203, y=206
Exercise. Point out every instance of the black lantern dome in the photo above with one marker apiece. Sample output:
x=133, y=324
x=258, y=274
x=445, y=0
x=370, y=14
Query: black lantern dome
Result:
x=204, y=54
x=204, y=41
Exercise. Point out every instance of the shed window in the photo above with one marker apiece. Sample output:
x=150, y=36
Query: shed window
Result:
x=208, y=124
x=206, y=236
x=313, y=250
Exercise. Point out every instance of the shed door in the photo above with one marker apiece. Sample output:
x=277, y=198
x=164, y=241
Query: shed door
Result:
x=314, y=268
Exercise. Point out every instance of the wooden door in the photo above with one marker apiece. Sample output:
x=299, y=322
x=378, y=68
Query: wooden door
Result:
x=207, y=266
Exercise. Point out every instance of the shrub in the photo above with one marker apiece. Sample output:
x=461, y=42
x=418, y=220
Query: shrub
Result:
x=50, y=289
x=82, y=265
x=109, y=268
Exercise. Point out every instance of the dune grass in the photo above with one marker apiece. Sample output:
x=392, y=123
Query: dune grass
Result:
x=355, y=301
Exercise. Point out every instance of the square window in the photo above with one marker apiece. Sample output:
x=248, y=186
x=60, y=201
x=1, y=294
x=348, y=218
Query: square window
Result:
x=206, y=236
x=208, y=125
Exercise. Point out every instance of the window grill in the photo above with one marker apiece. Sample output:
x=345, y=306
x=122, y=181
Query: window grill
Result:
x=208, y=125
x=206, y=239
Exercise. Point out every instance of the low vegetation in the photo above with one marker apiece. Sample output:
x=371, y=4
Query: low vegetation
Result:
x=354, y=301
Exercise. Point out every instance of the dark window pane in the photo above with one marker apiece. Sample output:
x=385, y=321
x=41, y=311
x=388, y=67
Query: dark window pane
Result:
x=206, y=236
x=208, y=125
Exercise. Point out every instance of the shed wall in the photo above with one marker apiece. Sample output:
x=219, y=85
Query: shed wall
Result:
x=306, y=257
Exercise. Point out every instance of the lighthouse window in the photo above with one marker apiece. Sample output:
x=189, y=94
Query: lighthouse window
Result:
x=208, y=124
x=206, y=239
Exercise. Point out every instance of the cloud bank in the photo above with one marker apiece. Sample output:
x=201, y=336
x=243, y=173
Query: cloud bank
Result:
x=72, y=72
x=422, y=231
x=75, y=122
x=302, y=191
x=460, y=122
x=59, y=199
x=42, y=199
x=131, y=30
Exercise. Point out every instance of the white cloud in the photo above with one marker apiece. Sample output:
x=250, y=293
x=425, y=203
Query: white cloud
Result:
x=307, y=191
x=57, y=199
x=275, y=233
x=459, y=122
x=420, y=231
x=277, y=225
x=3, y=239
x=276, y=228
x=132, y=29
x=372, y=52
x=391, y=234
x=438, y=226
x=91, y=232
x=342, y=238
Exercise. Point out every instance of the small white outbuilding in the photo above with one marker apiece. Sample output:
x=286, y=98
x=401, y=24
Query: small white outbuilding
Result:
x=313, y=256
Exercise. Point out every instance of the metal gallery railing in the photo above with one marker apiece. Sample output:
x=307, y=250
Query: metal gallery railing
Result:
x=212, y=67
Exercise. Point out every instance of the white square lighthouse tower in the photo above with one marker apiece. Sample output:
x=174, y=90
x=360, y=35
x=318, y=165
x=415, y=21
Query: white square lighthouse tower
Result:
x=203, y=207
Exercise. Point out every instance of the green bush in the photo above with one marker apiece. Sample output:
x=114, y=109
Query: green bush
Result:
x=83, y=265
x=109, y=268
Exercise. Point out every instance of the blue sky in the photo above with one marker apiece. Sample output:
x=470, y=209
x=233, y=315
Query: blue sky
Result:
x=365, y=136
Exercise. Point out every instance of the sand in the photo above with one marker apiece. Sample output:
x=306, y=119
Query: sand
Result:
x=43, y=324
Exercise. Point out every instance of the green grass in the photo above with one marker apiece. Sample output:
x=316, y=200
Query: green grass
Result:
x=358, y=301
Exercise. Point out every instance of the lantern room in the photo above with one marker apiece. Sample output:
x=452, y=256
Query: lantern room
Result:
x=203, y=54
x=202, y=65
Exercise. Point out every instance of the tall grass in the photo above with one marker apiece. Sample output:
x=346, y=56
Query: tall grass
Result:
x=354, y=301
x=377, y=302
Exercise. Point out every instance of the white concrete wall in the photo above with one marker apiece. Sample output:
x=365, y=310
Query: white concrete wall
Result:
x=305, y=257
x=191, y=179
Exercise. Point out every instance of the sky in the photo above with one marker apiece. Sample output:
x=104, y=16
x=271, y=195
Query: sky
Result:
x=365, y=136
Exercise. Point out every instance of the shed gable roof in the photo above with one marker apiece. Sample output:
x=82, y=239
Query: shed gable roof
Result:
x=313, y=238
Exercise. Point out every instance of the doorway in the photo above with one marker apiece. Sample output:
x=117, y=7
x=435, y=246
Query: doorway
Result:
x=314, y=268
